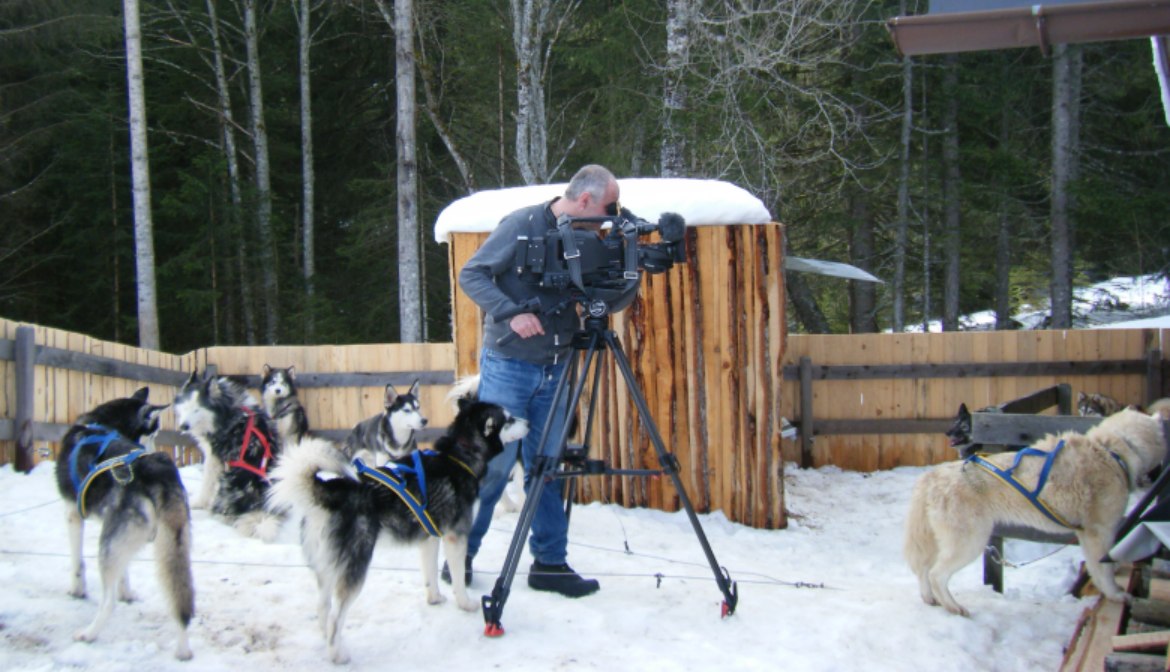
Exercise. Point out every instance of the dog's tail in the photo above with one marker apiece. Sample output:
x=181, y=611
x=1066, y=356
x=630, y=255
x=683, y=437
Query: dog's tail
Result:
x=466, y=387
x=920, y=546
x=296, y=475
x=172, y=553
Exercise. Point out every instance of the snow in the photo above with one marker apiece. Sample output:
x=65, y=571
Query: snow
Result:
x=700, y=202
x=831, y=592
x=1128, y=302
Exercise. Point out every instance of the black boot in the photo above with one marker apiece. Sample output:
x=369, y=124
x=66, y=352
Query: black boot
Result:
x=560, y=579
x=445, y=574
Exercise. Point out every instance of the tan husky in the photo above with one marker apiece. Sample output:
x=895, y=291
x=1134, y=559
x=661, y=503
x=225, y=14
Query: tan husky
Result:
x=1085, y=486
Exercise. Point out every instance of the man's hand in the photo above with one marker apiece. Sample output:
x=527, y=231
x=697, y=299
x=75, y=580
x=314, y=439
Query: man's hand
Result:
x=526, y=325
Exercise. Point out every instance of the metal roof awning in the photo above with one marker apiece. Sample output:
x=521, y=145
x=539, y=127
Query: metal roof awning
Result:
x=964, y=25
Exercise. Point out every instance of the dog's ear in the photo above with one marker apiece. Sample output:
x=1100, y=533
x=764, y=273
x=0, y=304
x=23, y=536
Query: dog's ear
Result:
x=266, y=370
x=291, y=376
x=148, y=415
x=462, y=403
x=963, y=409
x=190, y=379
x=414, y=388
x=391, y=395
x=141, y=394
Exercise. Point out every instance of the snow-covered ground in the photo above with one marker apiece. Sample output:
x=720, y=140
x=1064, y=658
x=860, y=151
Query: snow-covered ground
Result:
x=831, y=592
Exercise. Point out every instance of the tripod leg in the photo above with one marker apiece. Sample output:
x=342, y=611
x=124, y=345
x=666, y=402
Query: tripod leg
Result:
x=669, y=465
x=542, y=473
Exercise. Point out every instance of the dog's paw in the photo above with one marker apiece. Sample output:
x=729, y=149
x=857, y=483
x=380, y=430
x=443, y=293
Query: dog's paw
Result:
x=126, y=595
x=959, y=610
x=84, y=635
x=183, y=652
x=435, y=598
x=77, y=592
x=338, y=655
x=467, y=604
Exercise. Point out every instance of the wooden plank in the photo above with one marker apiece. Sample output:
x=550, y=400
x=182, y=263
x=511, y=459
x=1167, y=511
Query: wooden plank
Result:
x=1159, y=590
x=1146, y=641
x=1023, y=430
x=1094, y=641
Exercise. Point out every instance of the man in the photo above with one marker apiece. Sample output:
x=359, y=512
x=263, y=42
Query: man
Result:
x=523, y=373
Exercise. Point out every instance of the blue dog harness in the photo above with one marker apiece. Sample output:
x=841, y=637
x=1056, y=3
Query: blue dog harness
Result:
x=395, y=481
x=1033, y=495
x=119, y=467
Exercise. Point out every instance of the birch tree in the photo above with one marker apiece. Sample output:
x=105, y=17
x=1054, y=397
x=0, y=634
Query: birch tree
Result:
x=303, y=12
x=267, y=255
x=148, y=330
x=410, y=309
x=674, y=92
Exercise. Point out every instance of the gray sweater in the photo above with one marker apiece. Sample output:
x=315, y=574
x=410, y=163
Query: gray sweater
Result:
x=489, y=278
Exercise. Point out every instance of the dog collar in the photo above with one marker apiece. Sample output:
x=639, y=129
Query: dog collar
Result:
x=249, y=432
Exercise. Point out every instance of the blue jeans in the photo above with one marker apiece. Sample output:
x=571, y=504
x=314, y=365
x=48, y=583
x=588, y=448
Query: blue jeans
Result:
x=527, y=391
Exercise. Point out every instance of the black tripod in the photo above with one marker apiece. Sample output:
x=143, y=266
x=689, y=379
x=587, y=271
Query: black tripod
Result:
x=594, y=339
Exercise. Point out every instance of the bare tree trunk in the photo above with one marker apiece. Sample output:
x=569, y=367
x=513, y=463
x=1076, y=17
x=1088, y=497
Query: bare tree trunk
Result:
x=901, y=232
x=432, y=107
x=951, y=196
x=227, y=125
x=863, y=300
x=267, y=255
x=528, y=22
x=140, y=178
x=674, y=92
x=304, y=14
x=500, y=93
x=1066, y=61
x=1003, y=241
x=409, y=285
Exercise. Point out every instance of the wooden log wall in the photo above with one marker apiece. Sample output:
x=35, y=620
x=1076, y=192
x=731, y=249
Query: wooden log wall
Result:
x=705, y=341
x=982, y=369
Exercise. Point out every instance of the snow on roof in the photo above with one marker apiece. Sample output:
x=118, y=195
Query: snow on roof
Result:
x=700, y=202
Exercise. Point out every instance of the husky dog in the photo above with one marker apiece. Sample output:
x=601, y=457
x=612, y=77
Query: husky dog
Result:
x=1097, y=405
x=388, y=435
x=278, y=391
x=1089, y=477
x=103, y=471
x=467, y=387
x=238, y=445
x=344, y=516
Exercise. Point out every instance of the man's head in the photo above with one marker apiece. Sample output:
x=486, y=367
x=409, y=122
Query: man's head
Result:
x=589, y=193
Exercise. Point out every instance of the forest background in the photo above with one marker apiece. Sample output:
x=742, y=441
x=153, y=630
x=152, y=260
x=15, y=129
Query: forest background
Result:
x=276, y=130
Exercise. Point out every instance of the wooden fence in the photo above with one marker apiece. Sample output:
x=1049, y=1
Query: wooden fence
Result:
x=878, y=401
x=50, y=377
x=874, y=401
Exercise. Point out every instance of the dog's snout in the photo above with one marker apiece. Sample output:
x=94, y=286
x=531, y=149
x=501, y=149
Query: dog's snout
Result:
x=424, y=422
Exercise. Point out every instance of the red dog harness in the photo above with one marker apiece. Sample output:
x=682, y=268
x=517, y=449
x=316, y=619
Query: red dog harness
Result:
x=250, y=431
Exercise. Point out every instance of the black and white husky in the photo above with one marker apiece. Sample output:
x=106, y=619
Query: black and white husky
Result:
x=278, y=391
x=388, y=435
x=239, y=447
x=347, y=506
x=103, y=471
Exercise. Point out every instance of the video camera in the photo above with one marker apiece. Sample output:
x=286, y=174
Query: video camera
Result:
x=602, y=272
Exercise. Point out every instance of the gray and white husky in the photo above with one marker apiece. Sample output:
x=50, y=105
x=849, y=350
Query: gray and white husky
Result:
x=347, y=507
x=388, y=435
x=239, y=447
x=102, y=471
x=278, y=391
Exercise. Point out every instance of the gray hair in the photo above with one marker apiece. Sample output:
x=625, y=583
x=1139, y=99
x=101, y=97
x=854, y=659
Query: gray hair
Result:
x=591, y=178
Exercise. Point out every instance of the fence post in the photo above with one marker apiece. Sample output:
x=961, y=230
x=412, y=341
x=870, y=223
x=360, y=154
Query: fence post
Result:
x=806, y=413
x=1154, y=376
x=1064, y=403
x=25, y=360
